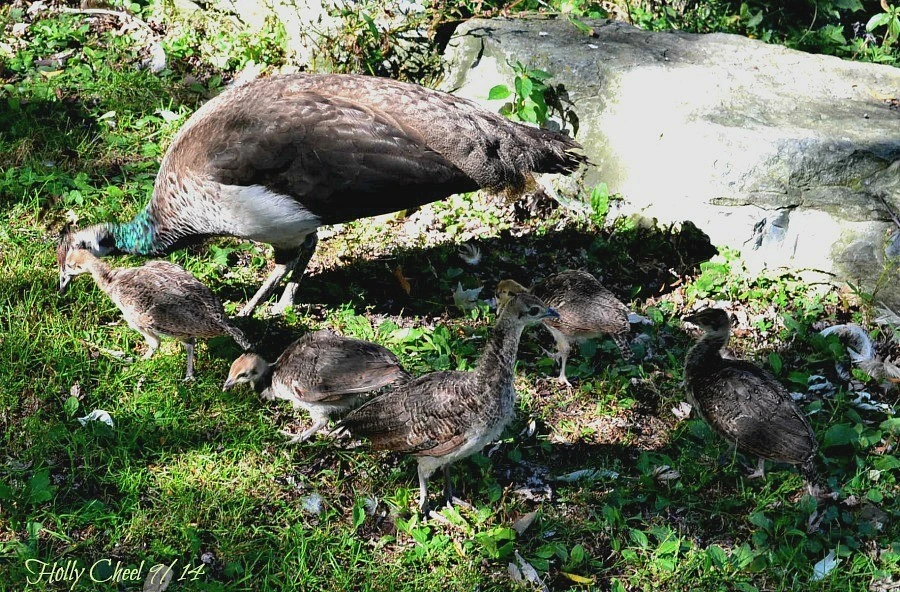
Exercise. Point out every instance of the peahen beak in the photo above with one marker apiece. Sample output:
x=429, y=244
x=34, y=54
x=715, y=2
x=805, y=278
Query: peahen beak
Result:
x=550, y=314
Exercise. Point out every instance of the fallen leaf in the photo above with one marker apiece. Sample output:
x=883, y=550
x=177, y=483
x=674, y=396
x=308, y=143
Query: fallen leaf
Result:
x=577, y=578
x=682, y=411
x=158, y=581
x=97, y=415
x=823, y=567
x=465, y=299
x=402, y=279
x=523, y=522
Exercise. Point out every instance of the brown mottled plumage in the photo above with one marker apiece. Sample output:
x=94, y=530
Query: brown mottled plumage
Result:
x=157, y=299
x=744, y=403
x=322, y=372
x=273, y=159
x=442, y=417
x=586, y=310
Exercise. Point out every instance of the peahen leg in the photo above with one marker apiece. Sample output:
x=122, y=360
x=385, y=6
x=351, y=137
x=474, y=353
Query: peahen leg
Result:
x=285, y=262
x=297, y=268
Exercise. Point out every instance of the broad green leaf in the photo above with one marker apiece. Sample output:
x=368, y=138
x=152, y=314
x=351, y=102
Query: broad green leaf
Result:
x=498, y=92
x=891, y=425
x=717, y=555
x=524, y=86
x=878, y=20
x=39, y=487
x=71, y=406
x=638, y=538
x=839, y=434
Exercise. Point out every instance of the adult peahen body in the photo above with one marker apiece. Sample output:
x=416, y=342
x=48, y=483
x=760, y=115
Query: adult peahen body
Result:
x=274, y=159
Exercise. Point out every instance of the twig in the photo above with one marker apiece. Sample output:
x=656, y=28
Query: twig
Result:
x=890, y=210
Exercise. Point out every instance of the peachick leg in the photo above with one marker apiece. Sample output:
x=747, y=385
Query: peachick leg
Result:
x=189, y=348
x=760, y=472
x=448, y=487
x=152, y=344
x=306, y=434
x=564, y=350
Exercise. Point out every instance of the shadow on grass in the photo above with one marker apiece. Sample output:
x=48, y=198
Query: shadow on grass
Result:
x=635, y=262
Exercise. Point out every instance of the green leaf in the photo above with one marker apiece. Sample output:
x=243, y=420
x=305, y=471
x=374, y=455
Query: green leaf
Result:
x=71, y=406
x=39, y=488
x=539, y=74
x=528, y=114
x=839, y=434
x=498, y=92
x=717, y=556
x=851, y=5
x=775, y=362
x=669, y=547
x=359, y=514
x=524, y=86
x=759, y=519
x=891, y=425
x=6, y=492
x=638, y=538
x=875, y=496
x=577, y=555
x=886, y=462
x=878, y=20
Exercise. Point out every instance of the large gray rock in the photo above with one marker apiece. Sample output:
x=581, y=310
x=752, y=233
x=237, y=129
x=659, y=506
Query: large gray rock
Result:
x=791, y=158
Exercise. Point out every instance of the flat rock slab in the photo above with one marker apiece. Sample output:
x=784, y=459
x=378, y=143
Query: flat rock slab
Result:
x=791, y=158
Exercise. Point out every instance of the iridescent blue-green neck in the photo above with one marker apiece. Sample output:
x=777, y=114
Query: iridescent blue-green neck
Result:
x=139, y=236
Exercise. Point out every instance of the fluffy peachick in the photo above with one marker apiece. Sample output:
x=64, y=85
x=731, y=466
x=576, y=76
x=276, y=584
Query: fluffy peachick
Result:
x=442, y=417
x=745, y=404
x=586, y=310
x=323, y=372
x=157, y=299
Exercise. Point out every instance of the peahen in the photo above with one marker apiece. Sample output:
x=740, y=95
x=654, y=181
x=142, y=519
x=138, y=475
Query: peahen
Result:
x=275, y=158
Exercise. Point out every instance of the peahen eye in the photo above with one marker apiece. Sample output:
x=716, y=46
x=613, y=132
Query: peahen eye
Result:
x=534, y=311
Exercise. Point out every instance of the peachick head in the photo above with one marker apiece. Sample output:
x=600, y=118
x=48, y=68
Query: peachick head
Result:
x=97, y=239
x=247, y=368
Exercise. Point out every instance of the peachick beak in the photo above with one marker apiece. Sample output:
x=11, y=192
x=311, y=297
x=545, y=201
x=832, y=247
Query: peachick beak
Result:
x=550, y=314
x=228, y=384
x=63, y=282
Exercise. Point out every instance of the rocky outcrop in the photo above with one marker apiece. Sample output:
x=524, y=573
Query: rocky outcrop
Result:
x=791, y=158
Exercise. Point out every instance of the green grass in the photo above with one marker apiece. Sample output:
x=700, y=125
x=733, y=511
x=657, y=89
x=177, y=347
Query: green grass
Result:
x=199, y=477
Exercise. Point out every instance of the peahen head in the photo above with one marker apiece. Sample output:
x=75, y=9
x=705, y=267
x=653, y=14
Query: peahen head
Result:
x=139, y=237
x=97, y=239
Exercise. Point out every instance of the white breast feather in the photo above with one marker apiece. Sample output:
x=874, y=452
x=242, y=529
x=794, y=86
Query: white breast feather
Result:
x=262, y=215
